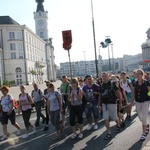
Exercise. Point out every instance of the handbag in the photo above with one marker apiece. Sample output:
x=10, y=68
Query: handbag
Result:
x=88, y=105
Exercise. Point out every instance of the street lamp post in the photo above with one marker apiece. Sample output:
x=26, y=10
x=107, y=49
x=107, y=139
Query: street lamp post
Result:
x=94, y=39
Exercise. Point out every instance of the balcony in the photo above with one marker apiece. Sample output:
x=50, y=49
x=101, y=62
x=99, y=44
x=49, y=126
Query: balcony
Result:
x=40, y=64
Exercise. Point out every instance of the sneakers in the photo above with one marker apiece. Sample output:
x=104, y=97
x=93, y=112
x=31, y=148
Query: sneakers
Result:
x=25, y=136
x=33, y=130
x=73, y=136
x=143, y=137
x=80, y=136
x=95, y=127
x=18, y=132
x=89, y=127
x=4, y=137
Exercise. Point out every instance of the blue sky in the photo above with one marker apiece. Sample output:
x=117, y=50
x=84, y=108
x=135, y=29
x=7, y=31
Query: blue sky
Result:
x=125, y=21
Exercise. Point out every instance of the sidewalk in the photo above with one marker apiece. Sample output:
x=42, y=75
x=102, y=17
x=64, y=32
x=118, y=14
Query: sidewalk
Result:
x=147, y=146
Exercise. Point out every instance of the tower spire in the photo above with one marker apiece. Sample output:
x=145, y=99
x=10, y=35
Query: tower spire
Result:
x=40, y=6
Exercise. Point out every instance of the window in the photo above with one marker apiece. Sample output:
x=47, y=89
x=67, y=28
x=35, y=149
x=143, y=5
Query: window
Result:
x=11, y=35
x=13, y=55
x=20, y=47
x=41, y=34
x=12, y=46
x=19, y=35
x=20, y=55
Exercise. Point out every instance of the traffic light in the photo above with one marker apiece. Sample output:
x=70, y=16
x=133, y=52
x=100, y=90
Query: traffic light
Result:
x=103, y=45
x=108, y=41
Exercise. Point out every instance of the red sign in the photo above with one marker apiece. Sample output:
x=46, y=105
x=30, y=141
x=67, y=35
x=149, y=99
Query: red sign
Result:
x=67, y=37
x=147, y=60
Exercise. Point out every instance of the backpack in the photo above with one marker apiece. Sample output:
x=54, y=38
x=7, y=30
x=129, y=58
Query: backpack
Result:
x=33, y=105
x=39, y=91
x=108, y=95
x=15, y=103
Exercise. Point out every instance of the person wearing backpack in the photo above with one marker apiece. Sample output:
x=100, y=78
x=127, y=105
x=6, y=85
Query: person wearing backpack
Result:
x=76, y=109
x=38, y=97
x=109, y=93
x=142, y=100
x=25, y=102
x=128, y=87
x=65, y=89
x=54, y=108
x=7, y=112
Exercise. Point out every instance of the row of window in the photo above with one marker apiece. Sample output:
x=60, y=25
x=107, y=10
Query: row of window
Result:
x=13, y=55
x=34, y=41
x=15, y=35
x=13, y=46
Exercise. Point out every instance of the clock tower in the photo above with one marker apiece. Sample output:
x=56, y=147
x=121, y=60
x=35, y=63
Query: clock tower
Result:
x=41, y=25
x=41, y=20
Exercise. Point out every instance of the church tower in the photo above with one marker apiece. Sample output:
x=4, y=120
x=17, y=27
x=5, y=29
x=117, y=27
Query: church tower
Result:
x=41, y=26
x=41, y=20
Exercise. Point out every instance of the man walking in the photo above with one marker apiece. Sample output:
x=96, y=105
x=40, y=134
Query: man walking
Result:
x=109, y=93
x=38, y=96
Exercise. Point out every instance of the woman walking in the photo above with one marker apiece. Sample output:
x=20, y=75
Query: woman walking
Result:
x=142, y=99
x=7, y=112
x=54, y=107
x=76, y=110
x=25, y=102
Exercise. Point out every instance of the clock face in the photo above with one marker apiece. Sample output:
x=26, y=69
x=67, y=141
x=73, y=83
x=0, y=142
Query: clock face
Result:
x=40, y=22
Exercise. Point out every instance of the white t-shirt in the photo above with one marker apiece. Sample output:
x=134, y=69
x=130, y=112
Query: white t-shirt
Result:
x=6, y=103
x=126, y=86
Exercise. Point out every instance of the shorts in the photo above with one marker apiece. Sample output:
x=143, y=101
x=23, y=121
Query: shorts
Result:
x=11, y=117
x=109, y=111
x=129, y=95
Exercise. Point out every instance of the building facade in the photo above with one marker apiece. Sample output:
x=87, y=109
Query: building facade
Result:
x=146, y=51
x=23, y=53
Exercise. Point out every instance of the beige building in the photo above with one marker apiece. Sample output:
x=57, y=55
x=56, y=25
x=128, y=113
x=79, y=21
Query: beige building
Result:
x=23, y=53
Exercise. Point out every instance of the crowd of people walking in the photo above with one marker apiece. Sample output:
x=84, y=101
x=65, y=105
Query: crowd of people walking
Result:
x=111, y=95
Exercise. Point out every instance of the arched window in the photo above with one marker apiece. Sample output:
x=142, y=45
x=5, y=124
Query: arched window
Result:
x=18, y=75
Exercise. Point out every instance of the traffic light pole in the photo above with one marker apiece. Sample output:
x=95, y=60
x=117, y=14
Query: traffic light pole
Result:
x=109, y=59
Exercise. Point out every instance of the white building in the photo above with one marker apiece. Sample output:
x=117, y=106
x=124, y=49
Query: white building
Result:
x=146, y=51
x=23, y=53
x=41, y=25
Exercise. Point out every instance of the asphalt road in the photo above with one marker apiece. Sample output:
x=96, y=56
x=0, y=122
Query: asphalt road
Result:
x=127, y=139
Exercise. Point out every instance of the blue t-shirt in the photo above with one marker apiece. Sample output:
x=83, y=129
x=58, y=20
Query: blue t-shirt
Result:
x=89, y=91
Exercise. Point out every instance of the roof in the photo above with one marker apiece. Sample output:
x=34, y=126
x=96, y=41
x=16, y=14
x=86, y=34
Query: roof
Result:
x=7, y=20
x=40, y=6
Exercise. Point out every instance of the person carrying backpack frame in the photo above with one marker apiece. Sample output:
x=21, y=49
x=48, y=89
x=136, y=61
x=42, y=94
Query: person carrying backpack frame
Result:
x=142, y=100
